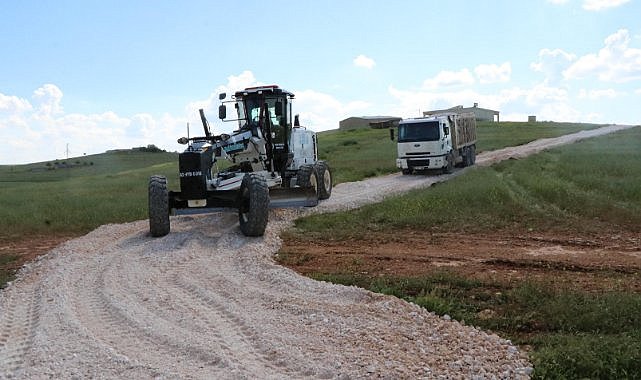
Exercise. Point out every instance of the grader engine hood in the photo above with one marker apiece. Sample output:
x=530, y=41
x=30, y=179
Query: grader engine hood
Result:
x=193, y=169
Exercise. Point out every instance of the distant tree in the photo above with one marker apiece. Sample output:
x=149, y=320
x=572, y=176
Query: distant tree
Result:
x=151, y=148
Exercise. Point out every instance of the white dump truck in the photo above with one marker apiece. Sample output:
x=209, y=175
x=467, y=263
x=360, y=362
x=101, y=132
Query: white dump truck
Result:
x=439, y=141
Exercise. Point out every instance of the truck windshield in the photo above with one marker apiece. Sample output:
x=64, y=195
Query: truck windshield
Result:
x=426, y=131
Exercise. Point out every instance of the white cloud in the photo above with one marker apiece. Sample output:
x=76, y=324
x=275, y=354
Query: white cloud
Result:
x=493, y=73
x=552, y=63
x=364, y=62
x=449, y=79
x=410, y=103
x=40, y=130
x=599, y=5
x=545, y=101
x=561, y=112
x=598, y=94
x=615, y=62
x=638, y=91
x=558, y=2
x=47, y=100
x=542, y=94
x=320, y=112
x=13, y=105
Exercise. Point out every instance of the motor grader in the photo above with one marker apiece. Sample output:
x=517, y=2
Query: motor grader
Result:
x=271, y=162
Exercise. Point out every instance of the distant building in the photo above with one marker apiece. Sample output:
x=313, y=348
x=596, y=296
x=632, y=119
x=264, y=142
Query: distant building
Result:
x=376, y=122
x=481, y=114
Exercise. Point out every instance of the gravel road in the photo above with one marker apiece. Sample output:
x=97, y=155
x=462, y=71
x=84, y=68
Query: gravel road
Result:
x=206, y=302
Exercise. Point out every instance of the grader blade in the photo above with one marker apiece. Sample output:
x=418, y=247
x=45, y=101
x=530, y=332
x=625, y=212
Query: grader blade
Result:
x=293, y=197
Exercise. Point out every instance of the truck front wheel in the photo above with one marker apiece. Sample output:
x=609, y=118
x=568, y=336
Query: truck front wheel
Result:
x=253, y=208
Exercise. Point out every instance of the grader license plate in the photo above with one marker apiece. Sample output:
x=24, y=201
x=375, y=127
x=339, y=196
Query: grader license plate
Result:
x=197, y=202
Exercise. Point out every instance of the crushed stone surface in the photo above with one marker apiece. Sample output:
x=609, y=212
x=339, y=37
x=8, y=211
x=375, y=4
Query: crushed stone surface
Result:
x=207, y=302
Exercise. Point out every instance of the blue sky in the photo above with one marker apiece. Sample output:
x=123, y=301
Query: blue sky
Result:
x=101, y=75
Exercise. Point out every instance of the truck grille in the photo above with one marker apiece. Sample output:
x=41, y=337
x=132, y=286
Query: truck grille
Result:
x=425, y=162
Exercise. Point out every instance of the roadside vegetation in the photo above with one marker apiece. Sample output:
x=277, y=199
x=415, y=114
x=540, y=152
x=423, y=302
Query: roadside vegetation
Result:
x=590, y=188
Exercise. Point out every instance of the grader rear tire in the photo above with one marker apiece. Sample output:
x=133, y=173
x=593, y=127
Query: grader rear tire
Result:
x=472, y=154
x=449, y=168
x=158, y=206
x=307, y=177
x=253, y=209
x=324, y=180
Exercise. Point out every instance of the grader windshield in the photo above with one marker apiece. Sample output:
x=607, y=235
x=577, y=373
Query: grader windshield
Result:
x=263, y=106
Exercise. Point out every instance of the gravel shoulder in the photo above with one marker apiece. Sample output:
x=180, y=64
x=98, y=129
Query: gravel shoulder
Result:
x=207, y=302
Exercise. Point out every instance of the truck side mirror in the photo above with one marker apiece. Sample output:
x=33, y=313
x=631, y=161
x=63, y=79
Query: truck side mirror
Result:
x=278, y=108
x=296, y=122
x=222, y=112
x=391, y=134
x=222, y=96
x=446, y=130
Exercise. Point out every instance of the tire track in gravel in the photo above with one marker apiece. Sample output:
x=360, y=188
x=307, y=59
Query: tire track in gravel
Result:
x=19, y=317
x=213, y=338
x=207, y=302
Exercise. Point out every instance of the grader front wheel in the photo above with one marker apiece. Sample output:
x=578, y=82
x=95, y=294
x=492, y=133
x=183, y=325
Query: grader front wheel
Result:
x=158, y=206
x=253, y=208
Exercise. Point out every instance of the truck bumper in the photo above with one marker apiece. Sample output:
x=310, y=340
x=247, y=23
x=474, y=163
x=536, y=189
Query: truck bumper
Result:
x=421, y=163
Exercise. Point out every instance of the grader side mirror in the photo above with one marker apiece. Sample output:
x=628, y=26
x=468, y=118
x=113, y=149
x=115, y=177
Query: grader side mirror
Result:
x=222, y=112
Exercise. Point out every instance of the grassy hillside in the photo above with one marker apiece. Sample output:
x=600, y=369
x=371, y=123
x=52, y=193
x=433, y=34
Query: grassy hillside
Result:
x=93, y=190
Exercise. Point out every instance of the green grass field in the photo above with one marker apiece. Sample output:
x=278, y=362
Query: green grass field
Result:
x=110, y=188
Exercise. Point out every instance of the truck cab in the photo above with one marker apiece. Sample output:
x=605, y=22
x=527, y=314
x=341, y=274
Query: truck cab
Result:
x=423, y=143
x=436, y=142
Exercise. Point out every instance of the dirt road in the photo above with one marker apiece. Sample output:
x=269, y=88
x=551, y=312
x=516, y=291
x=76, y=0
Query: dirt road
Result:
x=207, y=302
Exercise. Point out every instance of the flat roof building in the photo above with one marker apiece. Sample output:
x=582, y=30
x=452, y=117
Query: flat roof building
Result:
x=481, y=114
x=376, y=122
